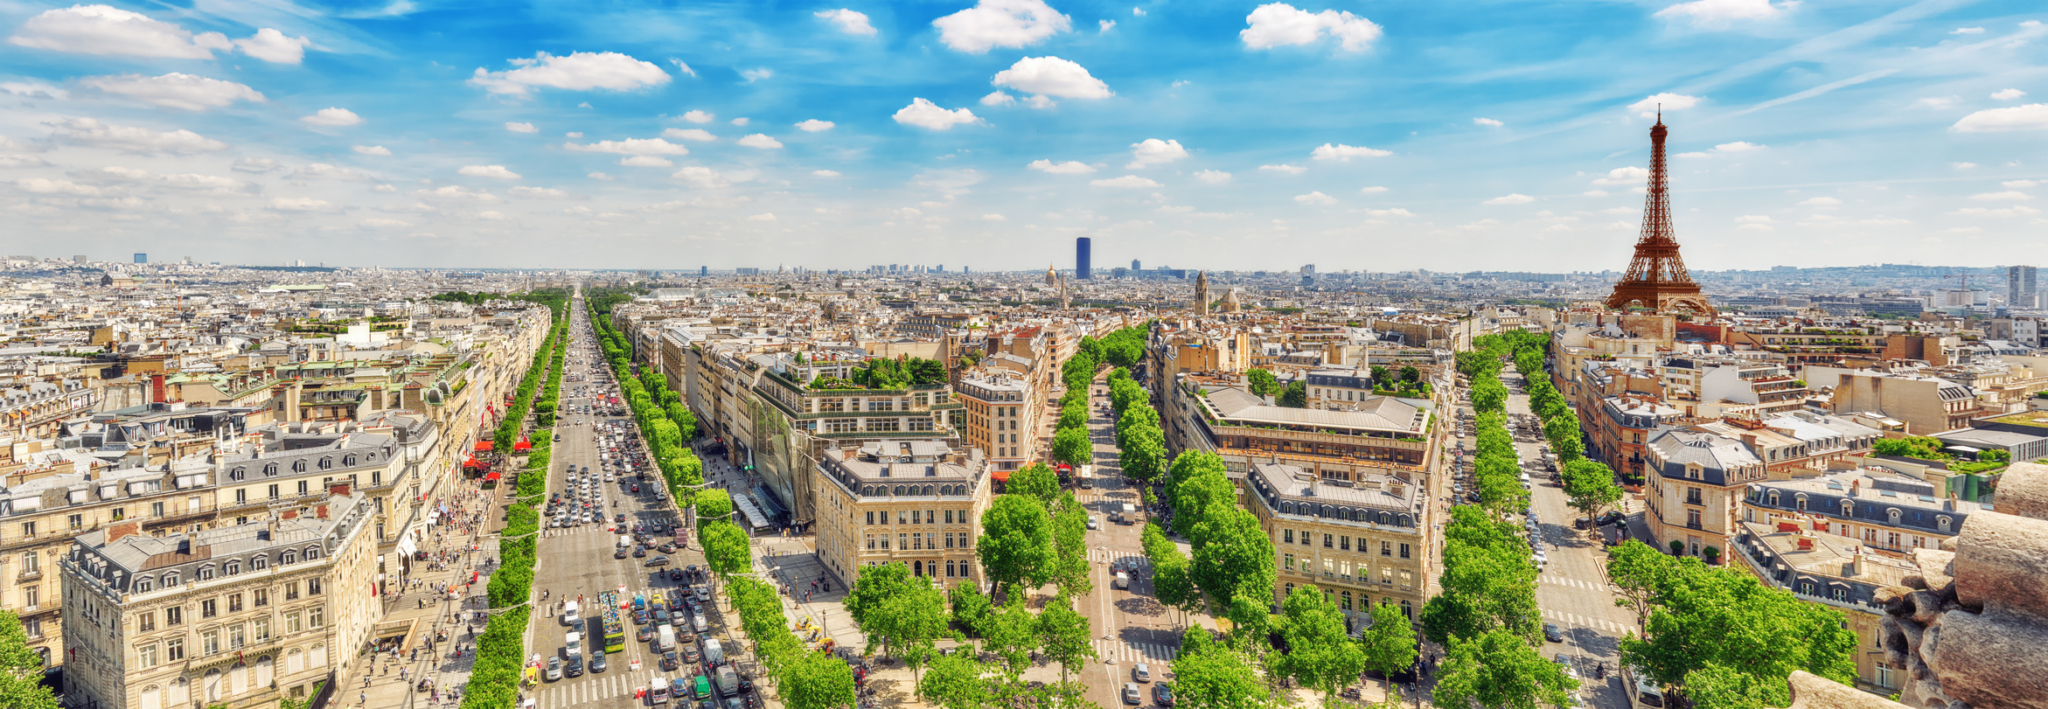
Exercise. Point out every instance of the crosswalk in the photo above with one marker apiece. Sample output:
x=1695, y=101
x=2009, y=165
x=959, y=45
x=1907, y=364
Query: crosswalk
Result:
x=1555, y=580
x=1126, y=653
x=1105, y=556
x=578, y=691
x=1573, y=620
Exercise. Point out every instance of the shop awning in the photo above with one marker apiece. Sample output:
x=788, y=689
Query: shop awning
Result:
x=471, y=463
x=493, y=475
x=406, y=546
x=483, y=446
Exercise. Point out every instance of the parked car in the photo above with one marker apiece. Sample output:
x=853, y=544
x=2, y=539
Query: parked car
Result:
x=1611, y=517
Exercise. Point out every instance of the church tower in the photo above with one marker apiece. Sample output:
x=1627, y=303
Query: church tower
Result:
x=1202, y=293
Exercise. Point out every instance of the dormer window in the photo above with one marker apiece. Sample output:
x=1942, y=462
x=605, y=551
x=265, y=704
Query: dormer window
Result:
x=259, y=562
x=349, y=460
x=288, y=557
x=270, y=470
x=238, y=473
x=232, y=568
x=326, y=463
x=206, y=572
x=171, y=579
x=1774, y=498
x=143, y=585
x=1942, y=523
x=1892, y=514
x=298, y=466
x=312, y=553
x=1848, y=508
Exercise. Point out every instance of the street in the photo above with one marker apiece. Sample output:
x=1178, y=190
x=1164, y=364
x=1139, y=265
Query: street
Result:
x=1130, y=625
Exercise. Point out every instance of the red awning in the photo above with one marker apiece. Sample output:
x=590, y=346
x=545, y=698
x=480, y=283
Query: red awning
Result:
x=471, y=463
x=483, y=446
x=1001, y=476
x=493, y=475
x=522, y=447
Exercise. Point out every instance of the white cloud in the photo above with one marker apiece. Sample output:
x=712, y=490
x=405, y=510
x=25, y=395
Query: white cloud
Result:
x=1720, y=12
x=994, y=218
x=925, y=114
x=2033, y=116
x=1040, y=102
x=521, y=127
x=1963, y=165
x=2019, y=183
x=1153, y=151
x=300, y=204
x=1737, y=147
x=456, y=192
x=1371, y=190
x=1069, y=167
x=377, y=150
x=1624, y=176
x=1594, y=193
x=1214, y=177
x=1395, y=212
x=599, y=176
x=814, y=125
x=1488, y=122
x=824, y=173
x=1820, y=202
x=1937, y=102
x=1052, y=76
x=2008, y=196
x=1315, y=198
x=573, y=134
x=740, y=121
x=682, y=67
x=696, y=134
x=33, y=90
x=1106, y=25
x=524, y=191
x=495, y=171
x=645, y=161
x=1125, y=181
x=174, y=90
x=698, y=117
x=491, y=216
x=1280, y=24
x=1345, y=153
x=700, y=176
x=1648, y=107
x=1511, y=199
x=1137, y=12
x=753, y=75
x=87, y=131
x=384, y=188
x=847, y=21
x=1284, y=169
x=629, y=146
x=998, y=99
x=40, y=185
x=762, y=217
x=581, y=71
x=381, y=223
x=333, y=118
x=273, y=46
x=99, y=29
x=1000, y=23
x=1968, y=30
x=2017, y=210
x=760, y=140
x=255, y=165
x=2008, y=94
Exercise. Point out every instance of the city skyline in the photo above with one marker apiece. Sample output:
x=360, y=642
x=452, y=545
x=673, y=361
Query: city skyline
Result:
x=1229, y=136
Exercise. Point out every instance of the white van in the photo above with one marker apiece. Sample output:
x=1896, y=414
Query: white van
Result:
x=666, y=638
x=713, y=653
x=697, y=623
x=1646, y=695
x=569, y=616
x=1122, y=581
x=574, y=642
x=657, y=690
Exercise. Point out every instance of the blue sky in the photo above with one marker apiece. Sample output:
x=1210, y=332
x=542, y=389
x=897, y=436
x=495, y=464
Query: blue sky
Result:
x=1220, y=135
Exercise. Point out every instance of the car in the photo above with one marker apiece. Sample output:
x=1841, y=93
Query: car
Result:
x=658, y=561
x=670, y=660
x=645, y=634
x=620, y=519
x=1551, y=633
x=661, y=616
x=735, y=703
x=1094, y=522
x=1565, y=661
x=619, y=553
x=554, y=668
x=667, y=547
x=1611, y=517
x=1141, y=672
x=1162, y=694
x=640, y=553
x=597, y=663
x=746, y=684
x=1131, y=694
x=574, y=667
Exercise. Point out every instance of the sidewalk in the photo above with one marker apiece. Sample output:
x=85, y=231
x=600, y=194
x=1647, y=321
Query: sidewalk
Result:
x=417, y=652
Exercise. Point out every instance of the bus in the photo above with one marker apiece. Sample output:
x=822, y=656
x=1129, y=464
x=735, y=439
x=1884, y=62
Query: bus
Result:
x=1084, y=479
x=614, y=631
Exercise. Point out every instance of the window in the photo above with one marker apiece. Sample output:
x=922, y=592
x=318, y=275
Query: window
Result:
x=145, y=621
x=1387, y=548
x=78, y=521
x=1347, y=600
x=1942, y=523
x=273, y=491
x=232, y=567
x=902, y=517
x=316, y=616
x=241, y=495
x=174, y=650
x=235, y=637
x=146, y=656
x=1839, y=593
x=302, y=487
x=1289, y=564
x=1306, y=538
x=871, y=516
x=1329, y=541
x=28, y=529
x=31, y=563
x=949, y=516
x=234, y=603
x=291, y=622
x=291, y=591
x=902, y=542
x=209, y=642
x=174, y=615
x=298, y=466
x=312, y=587
x=949, y=541
x=1404, y=551
x=260, y=561
x=312, y=553
x=270, y=470
x=262, y=629
x=207, y=609
x=288, y=557
x=156, y=509
x=1344, y=543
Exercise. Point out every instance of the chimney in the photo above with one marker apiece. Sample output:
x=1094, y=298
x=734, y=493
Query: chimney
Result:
x=339, y=489
x=1788, y=526
x=323, y=512
x=156, y=388
x=1856, y=488
x=121, y=530
x=1806, y=543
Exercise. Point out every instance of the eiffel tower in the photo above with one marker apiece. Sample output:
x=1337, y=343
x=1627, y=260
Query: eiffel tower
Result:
x=1657, y=278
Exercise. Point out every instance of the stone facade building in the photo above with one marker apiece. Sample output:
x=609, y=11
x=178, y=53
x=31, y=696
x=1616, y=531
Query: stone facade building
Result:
x=1361, y=541
x=1833, y=571
x=1696, y=481
x=915, y=502
x=236, y=616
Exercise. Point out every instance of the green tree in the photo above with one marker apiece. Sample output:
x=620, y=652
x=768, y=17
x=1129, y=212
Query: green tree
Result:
x=1703, y=616
x=1637, y=571
x=1262, y=382
x=1389, y=643
x=1717, y=686
x=1295, y=395
x=1074, y=414
x=1012, y=633
x=725, y=548
x=1015, y=546
x=1143, y=455
x=971, y=608
x=954, y=682
x=712, y=504
x=1319, y=653
x=1070, y=547
x=1073, y=447
x=1500, y=670
x=1235, y=566
x=1064, y=635
x=1212, y=676
x=21, y=669
x=1590, y=486
x=1035, y=480
x=1411, y=374
x=815, y=681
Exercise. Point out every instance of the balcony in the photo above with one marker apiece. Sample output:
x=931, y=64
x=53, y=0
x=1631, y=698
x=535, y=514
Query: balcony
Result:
x=1694, y=525
x=29, y=575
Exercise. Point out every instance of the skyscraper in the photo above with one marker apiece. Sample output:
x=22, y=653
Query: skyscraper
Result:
x=1135, y=266
x=144, y=258
x=2019, y=288
x=1081, y=259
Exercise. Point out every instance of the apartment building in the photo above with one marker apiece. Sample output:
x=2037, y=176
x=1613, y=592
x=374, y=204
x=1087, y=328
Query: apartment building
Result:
x=1696, y=487
x=1377, y=435
x=997, y=411
x=1730, y=387
x=1883, y=509
x=1833, y=571
x=1927, y=405
x=1362, y=541
x=915, y=502
x=236, y=617
x=34, y=409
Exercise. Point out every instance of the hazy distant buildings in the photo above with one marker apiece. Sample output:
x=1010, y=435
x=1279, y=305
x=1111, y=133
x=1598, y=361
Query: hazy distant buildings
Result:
x=2019, y=287
x=1081, y=248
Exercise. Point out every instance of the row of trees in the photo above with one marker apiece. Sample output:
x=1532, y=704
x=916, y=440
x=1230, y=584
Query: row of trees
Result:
x=1141, y=444
x=501, y=649
x=1588, y=484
